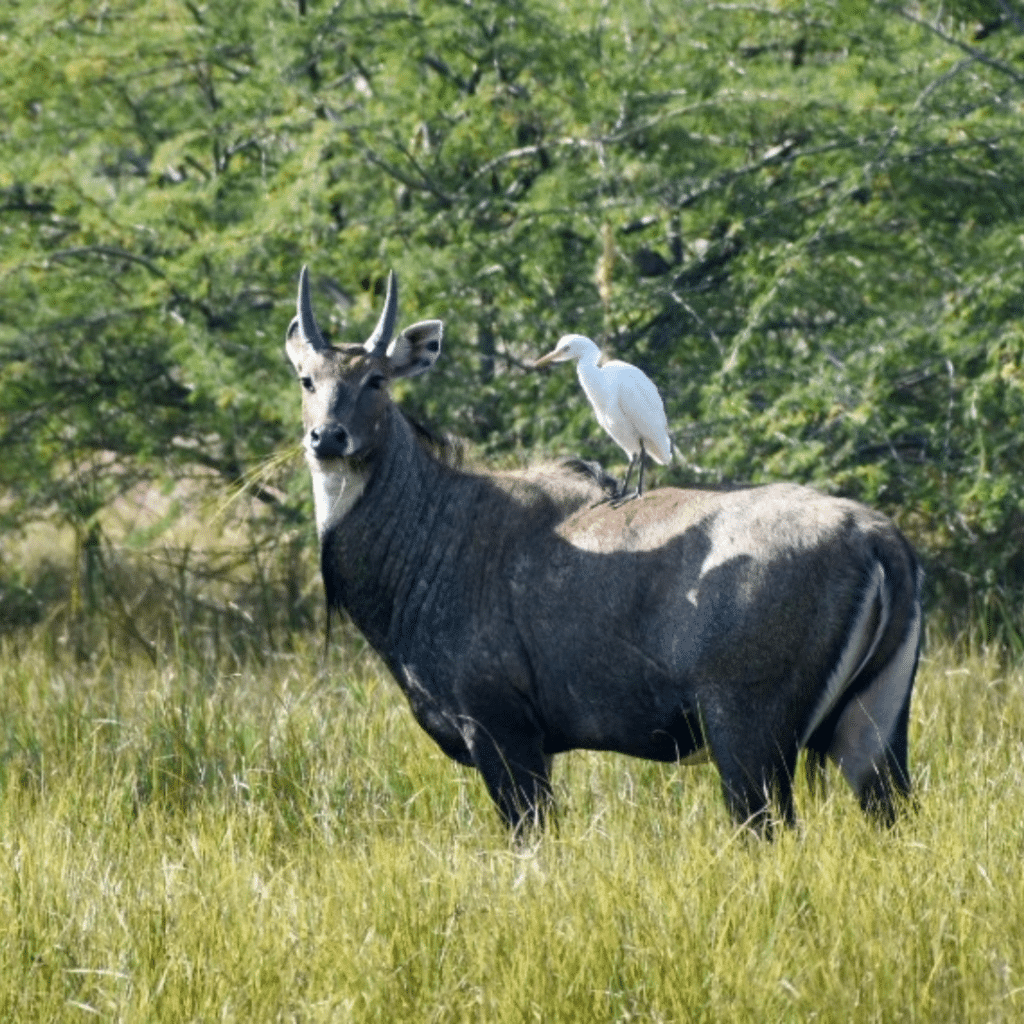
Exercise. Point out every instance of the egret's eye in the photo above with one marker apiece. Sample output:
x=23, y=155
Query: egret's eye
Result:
x=307, y=383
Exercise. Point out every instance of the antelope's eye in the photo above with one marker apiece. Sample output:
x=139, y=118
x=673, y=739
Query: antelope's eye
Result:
x=307, y=383
x=376, y=381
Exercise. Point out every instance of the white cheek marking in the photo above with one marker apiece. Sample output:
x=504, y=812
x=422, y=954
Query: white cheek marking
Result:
x=335, y=491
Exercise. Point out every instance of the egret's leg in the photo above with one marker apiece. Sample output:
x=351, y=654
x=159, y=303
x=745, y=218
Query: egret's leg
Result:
x=640, y=484
x=625, y=494
x=629, y=472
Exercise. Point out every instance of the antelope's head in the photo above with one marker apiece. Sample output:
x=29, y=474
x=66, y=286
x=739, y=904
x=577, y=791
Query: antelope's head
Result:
x=345, y=389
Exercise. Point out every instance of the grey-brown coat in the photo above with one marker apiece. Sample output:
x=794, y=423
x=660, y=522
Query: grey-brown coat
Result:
x=523, y=616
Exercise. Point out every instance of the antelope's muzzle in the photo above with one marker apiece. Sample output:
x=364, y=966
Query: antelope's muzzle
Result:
x=329, y=441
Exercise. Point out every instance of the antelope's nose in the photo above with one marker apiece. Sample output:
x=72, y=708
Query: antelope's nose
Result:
x=329, y=441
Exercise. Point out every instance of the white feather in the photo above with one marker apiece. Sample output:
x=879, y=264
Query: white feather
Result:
x=624, y=399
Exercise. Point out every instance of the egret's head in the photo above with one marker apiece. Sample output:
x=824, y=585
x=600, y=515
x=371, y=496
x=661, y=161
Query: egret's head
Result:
x=570, y=346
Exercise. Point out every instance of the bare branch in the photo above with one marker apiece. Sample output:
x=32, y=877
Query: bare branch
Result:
x=422, y=184
x=979, y=55
x=106, y=250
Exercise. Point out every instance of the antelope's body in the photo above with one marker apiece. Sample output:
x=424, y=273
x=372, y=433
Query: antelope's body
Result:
x=522, y=617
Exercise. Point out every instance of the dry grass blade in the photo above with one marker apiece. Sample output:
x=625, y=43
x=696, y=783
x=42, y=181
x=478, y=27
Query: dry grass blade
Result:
x=281, y=842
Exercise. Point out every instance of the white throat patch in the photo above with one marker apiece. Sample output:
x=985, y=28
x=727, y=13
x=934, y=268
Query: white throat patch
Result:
x=335, y=491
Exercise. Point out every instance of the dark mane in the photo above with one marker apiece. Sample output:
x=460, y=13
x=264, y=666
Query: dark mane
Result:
x=450, y=451
x=590, y=470
x=445, y=448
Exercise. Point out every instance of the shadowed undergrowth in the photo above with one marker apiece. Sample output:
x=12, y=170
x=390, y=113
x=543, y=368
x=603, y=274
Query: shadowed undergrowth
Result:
x=281, y=842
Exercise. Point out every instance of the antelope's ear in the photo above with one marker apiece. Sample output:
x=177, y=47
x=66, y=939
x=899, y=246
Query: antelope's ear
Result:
x=416, y=349
x=295, y=344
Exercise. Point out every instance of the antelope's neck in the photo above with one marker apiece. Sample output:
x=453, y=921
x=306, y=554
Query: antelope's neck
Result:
x=382, y=556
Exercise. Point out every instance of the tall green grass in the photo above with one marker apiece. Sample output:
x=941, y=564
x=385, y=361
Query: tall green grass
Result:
x=278, y=841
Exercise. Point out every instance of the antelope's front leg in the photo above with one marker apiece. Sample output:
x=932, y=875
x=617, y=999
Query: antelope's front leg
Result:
x=509, y=754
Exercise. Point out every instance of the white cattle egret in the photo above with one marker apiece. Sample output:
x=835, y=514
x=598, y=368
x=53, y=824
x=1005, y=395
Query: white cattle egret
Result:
x=625, y=402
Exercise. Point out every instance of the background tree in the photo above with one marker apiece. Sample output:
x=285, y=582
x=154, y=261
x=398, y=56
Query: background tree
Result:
x=804, y=220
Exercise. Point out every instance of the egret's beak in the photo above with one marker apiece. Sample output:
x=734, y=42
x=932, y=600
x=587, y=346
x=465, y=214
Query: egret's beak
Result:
x=549, y=358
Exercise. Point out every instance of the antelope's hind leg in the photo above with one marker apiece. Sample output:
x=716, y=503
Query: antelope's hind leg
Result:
x=757, y=775
x=870, y=740
x=887, y=787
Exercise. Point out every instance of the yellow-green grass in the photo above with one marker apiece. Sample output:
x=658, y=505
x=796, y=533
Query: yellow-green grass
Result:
x=282, y=843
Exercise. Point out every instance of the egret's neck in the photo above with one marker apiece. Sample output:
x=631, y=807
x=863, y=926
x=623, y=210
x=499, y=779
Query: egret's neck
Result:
x=589, y=373
x=588, y=360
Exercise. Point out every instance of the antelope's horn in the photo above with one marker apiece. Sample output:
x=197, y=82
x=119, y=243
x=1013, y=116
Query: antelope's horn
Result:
x=307, y=322
x=378, y=342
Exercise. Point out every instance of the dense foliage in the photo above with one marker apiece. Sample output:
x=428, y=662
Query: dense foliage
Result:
x=804, y=218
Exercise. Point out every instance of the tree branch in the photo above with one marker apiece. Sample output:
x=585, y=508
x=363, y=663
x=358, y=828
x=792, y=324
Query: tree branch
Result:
x=423, y=184
x=979, y=55
x=106, y=250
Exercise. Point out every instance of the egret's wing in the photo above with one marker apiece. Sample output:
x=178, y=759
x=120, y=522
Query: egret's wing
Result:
x=641, y=404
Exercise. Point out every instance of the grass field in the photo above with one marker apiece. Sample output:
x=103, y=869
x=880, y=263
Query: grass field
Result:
x=280, y=842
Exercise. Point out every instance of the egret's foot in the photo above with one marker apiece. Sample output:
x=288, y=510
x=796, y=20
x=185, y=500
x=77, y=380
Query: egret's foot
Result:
x=616, y=496
x=615, y=500
x=621, y=499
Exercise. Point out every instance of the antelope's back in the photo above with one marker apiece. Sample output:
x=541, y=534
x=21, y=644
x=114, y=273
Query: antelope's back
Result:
x=758, y=575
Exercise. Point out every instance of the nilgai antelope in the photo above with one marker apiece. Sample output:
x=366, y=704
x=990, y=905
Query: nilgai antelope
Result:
x=523, y=616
